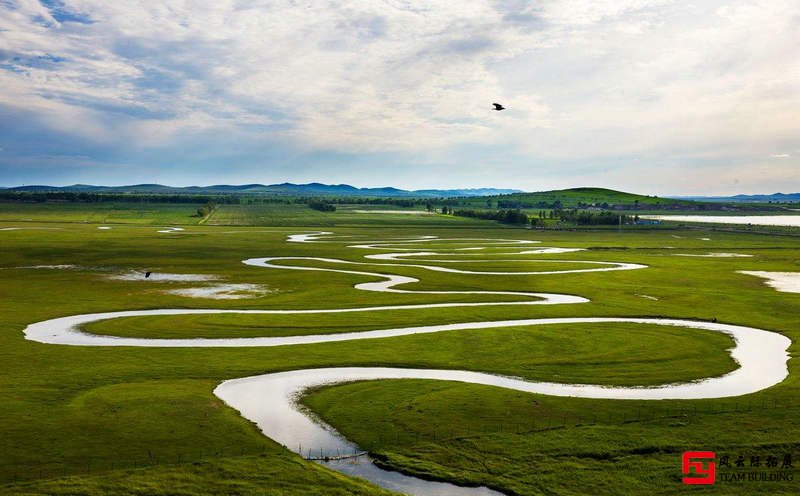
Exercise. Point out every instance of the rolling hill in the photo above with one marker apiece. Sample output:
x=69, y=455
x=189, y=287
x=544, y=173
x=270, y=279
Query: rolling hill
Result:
x=582, y=197
x=310, y=189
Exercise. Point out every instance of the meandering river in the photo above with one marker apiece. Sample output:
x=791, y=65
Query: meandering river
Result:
x=270, y=400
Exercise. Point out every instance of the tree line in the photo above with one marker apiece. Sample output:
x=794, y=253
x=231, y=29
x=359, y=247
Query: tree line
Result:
x=505, y=216
x=349, y=200
x=572, y=216
x=86, y=197
x=585, y=218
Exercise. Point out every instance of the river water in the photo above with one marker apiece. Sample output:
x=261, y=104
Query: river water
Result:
x=760, y=220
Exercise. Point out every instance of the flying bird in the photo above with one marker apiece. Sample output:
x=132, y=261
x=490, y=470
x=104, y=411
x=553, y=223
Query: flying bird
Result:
x=147, y=274
x=498, y=107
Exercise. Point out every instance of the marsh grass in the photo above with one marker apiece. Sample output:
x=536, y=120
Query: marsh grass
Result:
x=118, y=407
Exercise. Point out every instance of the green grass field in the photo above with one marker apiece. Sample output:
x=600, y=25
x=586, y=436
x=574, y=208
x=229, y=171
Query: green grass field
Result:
x=260, y=214
x=293, y=215
x=100, y=213
x=81, y=420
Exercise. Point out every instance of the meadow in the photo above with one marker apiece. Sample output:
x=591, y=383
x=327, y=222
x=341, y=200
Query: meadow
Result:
x=293, y=215
x=125, y=420
x=99, y=213
x=180, y=214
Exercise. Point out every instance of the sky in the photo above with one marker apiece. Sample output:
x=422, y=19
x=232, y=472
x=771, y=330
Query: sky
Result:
x=654, y=97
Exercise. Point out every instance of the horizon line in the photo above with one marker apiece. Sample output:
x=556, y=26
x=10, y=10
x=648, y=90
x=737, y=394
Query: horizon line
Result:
x=684, y=195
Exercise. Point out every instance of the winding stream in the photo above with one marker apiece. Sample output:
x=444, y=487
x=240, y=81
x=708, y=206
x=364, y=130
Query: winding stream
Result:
x=269, y=400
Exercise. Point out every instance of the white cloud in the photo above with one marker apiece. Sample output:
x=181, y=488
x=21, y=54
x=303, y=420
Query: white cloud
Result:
x=780, y=155
x=582, y=79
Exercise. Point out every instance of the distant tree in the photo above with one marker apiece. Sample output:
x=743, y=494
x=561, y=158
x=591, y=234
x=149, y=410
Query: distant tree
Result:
x=585, y=218
x=506, y=216
x=206, y=209
x=321, y=206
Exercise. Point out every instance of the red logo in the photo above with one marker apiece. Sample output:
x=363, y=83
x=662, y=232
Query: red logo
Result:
x=708, y=474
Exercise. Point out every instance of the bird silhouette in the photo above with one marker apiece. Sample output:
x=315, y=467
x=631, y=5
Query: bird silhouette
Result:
x=147, y=274
x=498, y=107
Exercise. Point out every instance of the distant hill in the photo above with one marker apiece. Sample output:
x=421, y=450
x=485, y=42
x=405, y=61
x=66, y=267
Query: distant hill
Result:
x=775, y=197
x=585, y=197
x=477, y=198
x=310, y=189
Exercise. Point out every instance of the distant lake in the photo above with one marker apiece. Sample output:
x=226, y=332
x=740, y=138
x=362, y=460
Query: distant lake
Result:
x=763, y=220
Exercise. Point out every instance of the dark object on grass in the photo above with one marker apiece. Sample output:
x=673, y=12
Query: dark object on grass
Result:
x=498, y=107
x=147, y=274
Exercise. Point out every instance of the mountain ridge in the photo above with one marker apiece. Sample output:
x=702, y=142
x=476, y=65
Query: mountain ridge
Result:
x=286, y=188
x=322, y=189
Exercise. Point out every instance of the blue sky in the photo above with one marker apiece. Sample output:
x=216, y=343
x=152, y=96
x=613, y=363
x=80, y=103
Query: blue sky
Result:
x=657, y=97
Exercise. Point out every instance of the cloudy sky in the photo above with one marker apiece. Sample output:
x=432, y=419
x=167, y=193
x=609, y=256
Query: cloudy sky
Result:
x=657, y=97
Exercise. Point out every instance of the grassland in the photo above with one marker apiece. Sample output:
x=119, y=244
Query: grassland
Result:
x=99, y=213
x=259, y=214
x=276, y=214
x=96, y=421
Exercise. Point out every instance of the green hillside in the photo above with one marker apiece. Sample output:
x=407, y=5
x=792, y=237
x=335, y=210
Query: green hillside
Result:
x=580, y=197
